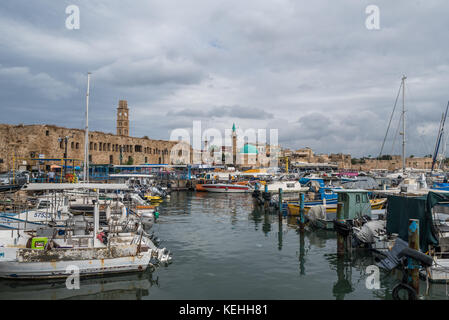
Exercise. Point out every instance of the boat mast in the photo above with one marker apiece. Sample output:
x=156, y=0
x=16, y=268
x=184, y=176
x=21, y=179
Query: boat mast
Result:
x=439, y=138
x=403, y=124
x=86, y=138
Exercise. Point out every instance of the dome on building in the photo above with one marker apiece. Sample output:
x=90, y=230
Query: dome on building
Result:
x=249, y=149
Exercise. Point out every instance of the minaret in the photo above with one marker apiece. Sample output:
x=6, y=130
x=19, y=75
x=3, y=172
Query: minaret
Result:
x=206, y=151
x=122, y=118
x=234, y=145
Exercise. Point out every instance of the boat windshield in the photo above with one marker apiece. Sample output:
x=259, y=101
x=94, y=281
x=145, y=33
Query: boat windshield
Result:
x=43, y=204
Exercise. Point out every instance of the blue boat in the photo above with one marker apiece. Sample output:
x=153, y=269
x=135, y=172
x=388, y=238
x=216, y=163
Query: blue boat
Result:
x=444, y=186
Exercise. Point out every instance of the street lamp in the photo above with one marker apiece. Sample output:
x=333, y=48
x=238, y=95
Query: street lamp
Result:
x=66, y=140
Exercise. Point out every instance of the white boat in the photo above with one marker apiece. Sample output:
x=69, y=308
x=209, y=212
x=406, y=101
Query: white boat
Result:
x=27, y=263
x=50, y=253
x=79, y=242
x=227, y=188
x=286, y=186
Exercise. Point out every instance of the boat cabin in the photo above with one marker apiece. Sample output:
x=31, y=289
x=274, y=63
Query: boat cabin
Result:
x=355, y=203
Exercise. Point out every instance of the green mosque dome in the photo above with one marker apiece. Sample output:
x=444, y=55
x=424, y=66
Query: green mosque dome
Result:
x=249, y=149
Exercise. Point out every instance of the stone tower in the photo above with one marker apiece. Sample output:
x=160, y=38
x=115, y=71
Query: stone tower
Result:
x=122, y=118
x=234, y=145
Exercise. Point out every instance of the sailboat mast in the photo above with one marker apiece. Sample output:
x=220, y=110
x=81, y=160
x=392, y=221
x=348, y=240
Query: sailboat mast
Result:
x=439, y=137
x=403, y=124
x=86, y=138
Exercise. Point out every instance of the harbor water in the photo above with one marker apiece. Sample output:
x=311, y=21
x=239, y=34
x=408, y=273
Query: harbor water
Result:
x=224, y=249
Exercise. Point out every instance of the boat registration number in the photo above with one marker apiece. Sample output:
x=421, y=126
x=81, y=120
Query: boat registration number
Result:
x=42, y=215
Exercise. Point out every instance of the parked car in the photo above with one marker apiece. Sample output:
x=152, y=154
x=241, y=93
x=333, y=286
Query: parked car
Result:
x=8, y=178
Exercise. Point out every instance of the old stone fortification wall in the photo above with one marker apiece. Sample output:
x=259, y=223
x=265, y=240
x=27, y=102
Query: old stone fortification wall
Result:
x=28, y=141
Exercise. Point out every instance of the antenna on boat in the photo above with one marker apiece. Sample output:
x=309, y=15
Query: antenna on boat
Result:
x=403, y=124
x=86, y=138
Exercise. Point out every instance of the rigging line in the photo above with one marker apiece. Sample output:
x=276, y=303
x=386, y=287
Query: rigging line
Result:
x=391, y=118
x=426, y=146
x=396, y=135
x=444, y=150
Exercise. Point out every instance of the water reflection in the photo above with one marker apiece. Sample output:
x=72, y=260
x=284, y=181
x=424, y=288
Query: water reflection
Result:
x=280, y=233
x=125, y=286
x=343, y=285
x=302, y=260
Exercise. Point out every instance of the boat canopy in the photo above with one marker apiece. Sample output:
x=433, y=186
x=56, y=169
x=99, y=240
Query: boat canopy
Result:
x=401, y=209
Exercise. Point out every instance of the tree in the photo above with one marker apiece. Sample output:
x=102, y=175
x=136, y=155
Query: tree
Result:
x=130, y=161
x=385, y=157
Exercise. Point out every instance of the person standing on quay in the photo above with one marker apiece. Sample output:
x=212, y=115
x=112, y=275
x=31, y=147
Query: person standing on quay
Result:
x=51, y=176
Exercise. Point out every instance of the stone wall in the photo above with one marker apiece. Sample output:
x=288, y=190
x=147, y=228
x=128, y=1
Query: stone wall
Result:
x=28, y=141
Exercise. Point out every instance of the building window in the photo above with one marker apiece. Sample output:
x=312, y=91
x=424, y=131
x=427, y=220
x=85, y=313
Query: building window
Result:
x=95, y=146
x=90, y=158
x=72, y=145
x=77, y=145
x=90, y=146
x=146, y=159
x=47, y=133
x=111, y=159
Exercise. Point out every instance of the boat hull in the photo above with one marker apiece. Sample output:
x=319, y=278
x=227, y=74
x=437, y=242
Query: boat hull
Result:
x=226, y=188
x=12, y=268
x=293, y=208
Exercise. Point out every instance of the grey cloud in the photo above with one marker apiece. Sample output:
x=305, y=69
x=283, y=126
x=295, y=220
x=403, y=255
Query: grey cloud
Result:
x=224, y=111
x=258, y=63
x=153, y=71
x=41, y=82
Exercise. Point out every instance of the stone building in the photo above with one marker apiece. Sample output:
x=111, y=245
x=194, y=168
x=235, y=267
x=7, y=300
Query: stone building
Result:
x=21, y=143
x=395, y=163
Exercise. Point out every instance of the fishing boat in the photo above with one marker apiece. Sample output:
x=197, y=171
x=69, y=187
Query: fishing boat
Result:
x=227, y=188
x=126, y=253
x=120, y=246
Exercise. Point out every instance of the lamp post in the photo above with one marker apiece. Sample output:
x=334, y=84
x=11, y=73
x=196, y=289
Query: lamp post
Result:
x=66, y=140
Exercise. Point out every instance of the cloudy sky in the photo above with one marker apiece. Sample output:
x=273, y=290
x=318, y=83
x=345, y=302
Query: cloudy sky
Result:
x=310, y=69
